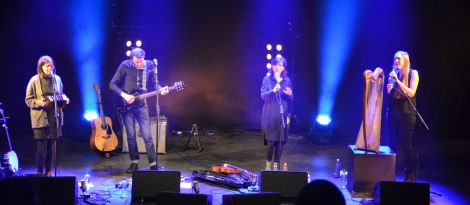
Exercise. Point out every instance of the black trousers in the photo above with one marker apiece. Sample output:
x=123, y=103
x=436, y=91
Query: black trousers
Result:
x=401, y=128
x=45, y=154
x=274, y=148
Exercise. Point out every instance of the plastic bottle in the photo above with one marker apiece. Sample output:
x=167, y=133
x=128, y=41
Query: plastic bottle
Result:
x=87, y=178
x=284, y=168
x=344, y=179
x=336, y=174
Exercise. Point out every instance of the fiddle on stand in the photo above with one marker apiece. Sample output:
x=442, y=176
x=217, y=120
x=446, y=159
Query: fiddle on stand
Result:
x=194, y=132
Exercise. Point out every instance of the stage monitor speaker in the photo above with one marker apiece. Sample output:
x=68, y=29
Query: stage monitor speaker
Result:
x=388, y=193
x=146, y=184
x=287, y=183
x=265, y=198
x=164, y=198
x=38, y=190
x=153, y=128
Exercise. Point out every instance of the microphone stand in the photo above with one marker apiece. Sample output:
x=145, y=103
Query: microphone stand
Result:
x=281, y=110
x=413, y=106
x=422, y=121
x=157, y=109
x=57, y=118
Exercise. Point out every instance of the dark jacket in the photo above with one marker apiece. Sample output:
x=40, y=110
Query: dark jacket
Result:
x=271, y=123
x=125, y=78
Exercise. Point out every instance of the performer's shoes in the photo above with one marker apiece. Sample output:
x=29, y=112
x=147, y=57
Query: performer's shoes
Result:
x=410, y=177
x=275, y=166
x=133, y=167
x=157, y=167
x=268, y=166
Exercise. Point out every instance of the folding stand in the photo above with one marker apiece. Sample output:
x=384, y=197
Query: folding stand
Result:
x=194, y=132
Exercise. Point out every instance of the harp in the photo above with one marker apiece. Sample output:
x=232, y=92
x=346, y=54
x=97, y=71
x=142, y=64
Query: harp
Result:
x=368, y=138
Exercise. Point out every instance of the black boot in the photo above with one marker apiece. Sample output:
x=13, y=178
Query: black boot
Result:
x=133, y=167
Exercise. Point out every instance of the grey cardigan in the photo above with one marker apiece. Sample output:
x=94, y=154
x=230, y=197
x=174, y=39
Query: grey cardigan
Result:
x=33, y=95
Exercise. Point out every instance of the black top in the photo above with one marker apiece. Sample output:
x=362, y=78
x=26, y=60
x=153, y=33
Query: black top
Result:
x=47, y=86
x=401, y=104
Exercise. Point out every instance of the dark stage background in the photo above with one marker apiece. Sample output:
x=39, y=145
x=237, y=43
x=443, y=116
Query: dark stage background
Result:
x=218, y=49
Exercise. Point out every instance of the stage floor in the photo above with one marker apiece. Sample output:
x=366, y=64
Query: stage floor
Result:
x=443, y=163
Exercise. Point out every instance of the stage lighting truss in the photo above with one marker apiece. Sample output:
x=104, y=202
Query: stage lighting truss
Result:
x=270, y=52
x=130, y=46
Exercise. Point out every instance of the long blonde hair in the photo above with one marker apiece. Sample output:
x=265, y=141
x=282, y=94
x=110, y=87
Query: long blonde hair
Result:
x=406, y=66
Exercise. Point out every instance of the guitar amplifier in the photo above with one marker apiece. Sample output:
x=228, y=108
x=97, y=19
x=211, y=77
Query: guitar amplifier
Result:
x=153, y=128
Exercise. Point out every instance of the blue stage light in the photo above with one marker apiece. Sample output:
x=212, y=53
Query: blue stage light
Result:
x=338, y=29
x=322, y=130
x=87, y=25
x=323, y=119
x=90, y=115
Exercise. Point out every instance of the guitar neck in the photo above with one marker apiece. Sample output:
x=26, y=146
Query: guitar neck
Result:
x=154, y=93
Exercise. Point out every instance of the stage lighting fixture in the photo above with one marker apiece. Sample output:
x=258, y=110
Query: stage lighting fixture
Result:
x=269, y=56
x=128, y=44
x=278, y=47
x=323, y=119
x=90, y=115
x=322, y=129
x=138, y=43
x=128, y=53
x=278, y=56
x=269, y=47
x=268, y=65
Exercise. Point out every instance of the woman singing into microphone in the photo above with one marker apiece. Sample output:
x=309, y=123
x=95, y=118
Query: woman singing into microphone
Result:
x=276, y=91
x=403, y=83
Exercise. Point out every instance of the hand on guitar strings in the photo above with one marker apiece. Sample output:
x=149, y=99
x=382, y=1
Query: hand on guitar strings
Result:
x=128, y=98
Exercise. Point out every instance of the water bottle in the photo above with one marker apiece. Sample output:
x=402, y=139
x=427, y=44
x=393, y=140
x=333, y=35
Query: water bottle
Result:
x=284, y=168
x=337, y=169
x=86, y=178
x=196, y=186
x=344, y=179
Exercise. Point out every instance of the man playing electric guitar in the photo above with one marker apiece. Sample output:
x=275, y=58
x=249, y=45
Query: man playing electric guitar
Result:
x=137, y=74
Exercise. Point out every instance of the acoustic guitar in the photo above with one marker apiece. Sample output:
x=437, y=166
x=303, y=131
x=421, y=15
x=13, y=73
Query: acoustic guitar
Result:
x=103, y=137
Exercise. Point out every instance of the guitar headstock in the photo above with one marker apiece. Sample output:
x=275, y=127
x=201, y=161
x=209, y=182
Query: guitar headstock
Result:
x=178, y=85
x=97, y=87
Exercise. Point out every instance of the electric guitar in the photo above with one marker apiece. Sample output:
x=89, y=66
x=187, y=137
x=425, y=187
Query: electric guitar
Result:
x=103, y=137
x=139, y=99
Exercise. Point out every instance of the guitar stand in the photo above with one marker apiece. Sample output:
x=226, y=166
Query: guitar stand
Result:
x=194, y=132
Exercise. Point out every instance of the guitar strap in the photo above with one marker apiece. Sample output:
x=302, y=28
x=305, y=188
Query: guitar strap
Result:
x=142, y=83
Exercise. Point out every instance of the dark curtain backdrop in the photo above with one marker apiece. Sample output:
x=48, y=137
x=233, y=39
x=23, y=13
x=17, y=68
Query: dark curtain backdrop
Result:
x=218, y=49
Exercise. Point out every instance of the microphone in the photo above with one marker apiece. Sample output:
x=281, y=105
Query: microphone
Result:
x=390, y=78
x=278, y=78
x=156, y=64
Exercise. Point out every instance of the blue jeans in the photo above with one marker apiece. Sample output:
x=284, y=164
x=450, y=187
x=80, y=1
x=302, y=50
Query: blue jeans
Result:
x=140, y=115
